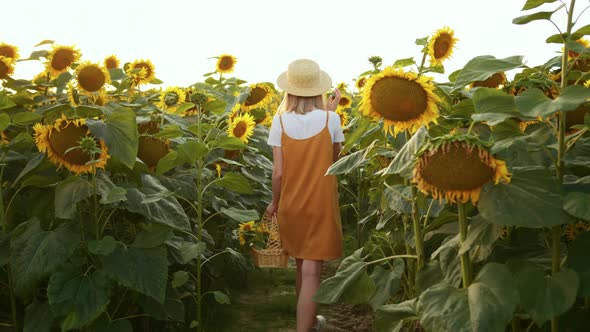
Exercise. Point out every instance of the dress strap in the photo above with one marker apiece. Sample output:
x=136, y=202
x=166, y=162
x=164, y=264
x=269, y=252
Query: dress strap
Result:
x=281, y=120
x=327, y=117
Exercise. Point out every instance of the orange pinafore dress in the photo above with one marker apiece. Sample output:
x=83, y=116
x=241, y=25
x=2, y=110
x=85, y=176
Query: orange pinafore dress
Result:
x=308, y=211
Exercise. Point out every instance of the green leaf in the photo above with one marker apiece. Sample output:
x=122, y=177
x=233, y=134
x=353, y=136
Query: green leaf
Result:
x=387, y=282
x=240, y=215
x=235, y=182
x=389, y=315
x=577, y=205
x=192, y=151
x=4, y=121
x=102, y=247
x=585, y=30
x=143, y=270
x=165, y=211
x=30, y=166
x=534, y=103
x=80, y=298
x=44, y=42
x=4, y=249
x=532, y=17
x=119, y=131
x=493, y=106
x=168, y=162
x=486, y=305
x=228, y=143
x=38, y=317
x=190, y=251
x=35, y=253
x=350, y=284
x=347, y=163
x=152, y=236
x=179, y=278
x=577, y=259
x=216, y=107
x=403, y=163
x=482, y=67
x=88, y=111
x=221, y=297
x=545, y=296
x=555, y=39
x=171, y=131
x=530, y=4
x=24, y=118
x=68, y=194
x=5, y=101
x=535, y=200
x=404, y=62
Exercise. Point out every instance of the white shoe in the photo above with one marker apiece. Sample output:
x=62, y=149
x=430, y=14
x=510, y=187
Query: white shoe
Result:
x=320, y=324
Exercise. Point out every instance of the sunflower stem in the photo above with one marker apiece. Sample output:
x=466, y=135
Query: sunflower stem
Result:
x=95, y=202
x=418, y=239
x=421, y=69
x=199, y=226
x=515, y=324
x=465, y=259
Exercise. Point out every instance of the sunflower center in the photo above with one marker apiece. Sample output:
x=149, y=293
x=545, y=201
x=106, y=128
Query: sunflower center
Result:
x=343, y=101
x=67, y=138
x=91, y=78
x=493, y=81
x=171, y=99
x=7, y=51
x=226, y=63
x=149, y=127
x=240, y=129
x=398, y=99
x=256, y=95
x=111, y=63
x=150, y=150
x=442, y=45
x=62, y=59
x=455, y=167
x=4, y=70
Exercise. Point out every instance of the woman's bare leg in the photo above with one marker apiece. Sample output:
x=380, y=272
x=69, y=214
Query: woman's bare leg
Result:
x=298, y=262
x=310, y=282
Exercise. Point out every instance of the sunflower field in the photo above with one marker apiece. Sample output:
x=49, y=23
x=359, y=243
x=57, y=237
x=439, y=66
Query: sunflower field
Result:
x=129, y=207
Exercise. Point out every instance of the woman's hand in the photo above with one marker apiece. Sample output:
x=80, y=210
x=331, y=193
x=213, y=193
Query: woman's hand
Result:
x=334, y=100
x=272, y=208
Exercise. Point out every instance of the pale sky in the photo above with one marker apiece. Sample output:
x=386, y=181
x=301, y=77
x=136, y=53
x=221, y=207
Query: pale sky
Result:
x=265, y=35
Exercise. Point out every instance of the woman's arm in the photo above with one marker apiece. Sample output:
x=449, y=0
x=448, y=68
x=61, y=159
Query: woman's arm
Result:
x=336, y=148
x=277, y=176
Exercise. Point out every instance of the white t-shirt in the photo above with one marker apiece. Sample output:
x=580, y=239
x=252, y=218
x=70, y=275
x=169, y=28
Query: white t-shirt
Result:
x=302, y=126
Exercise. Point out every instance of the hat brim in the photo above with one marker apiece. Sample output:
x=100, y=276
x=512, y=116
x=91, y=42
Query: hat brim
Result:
x=324, y=85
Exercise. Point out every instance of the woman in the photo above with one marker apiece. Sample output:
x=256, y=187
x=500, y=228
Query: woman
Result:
x=306, y=137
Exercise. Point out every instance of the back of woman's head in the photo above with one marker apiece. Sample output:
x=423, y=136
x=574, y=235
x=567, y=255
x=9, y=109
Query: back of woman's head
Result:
x=301, y=105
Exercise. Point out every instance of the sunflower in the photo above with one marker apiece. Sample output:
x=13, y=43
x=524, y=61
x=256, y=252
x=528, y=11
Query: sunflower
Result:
x=141, y=71
x=9, y=51
x=6, y=67
x=587, y=84
x=171, y=98
x=151, y=149
x=493, y=81
x=243, y=229
x=91, y=77
x=260, y=96
x=60, y=58
x=343, y=116
x=456, y=168
x=342, y=86
x=56, y=139
x=574, y=54
x=441, y=45
x=505, y=232
x=226, y=64
x=360, y=83
x=111, y=62
x=345, y=101
x=573, y=230
x=218, y=167
x=242, y=127
x=402, y=99
x=73, y=95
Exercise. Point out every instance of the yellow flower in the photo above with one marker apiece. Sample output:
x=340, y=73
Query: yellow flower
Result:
x=573, y=230
x=441, y=45
x=9, y=51
x=6, y=67
x=141, y=71
x=151, y=149
x=456, y=170
x=402, y=99
x=260, y=97
x=360, y=83
x=587, y=84
x=56, y=139
x=226, y=63
x=112, y=62
x=243, y=228
x=242, y=127
x=343, y=116
x=345, y=101
x=171, y=98
x=91, y=78
x=493, y=81
x=218, y=169
x=73, y=95
x=342, y=86
x=60, y=58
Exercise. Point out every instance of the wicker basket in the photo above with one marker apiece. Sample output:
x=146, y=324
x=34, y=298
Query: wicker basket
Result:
x=273, y=255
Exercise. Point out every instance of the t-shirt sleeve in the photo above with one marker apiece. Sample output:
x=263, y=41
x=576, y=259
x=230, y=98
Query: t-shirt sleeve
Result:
x=274, y=137
x=336, y=128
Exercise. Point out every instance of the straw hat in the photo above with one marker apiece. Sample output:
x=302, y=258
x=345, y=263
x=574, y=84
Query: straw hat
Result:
x=304, y=78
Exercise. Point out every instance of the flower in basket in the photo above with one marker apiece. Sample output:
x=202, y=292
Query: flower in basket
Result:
x=253, y=234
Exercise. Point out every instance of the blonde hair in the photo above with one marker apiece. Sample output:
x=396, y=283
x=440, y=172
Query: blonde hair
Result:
x=301, y=105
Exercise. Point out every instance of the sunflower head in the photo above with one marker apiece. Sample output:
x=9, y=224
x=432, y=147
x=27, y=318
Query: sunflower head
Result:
x=171, y=98
x=343, y=116
x=151, y=149
x=342, y=86
x=402, y=99
x=456, y=168
x=571, y=231
x=493, y=81
x=242, y=127
x=91, y=77
x=60, y=58
x=345, y=101
x=440, y=46
x=67, y=143
x=244, y=228
x=9, y=51
x=141, y=71
x=6, y=67
x=360, y=83
x=226, y=63
x=260, y=96
x=111, y=62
